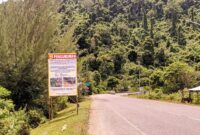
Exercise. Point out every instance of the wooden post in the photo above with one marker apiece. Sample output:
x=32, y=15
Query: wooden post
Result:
x=49, y=104
x=77, y=105
x=51, y=108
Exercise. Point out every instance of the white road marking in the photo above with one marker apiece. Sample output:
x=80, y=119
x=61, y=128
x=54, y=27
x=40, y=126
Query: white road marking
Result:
x=126, y=120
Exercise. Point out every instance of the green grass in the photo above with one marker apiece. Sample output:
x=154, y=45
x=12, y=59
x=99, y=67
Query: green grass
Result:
x=174, y=97
x=76, y=124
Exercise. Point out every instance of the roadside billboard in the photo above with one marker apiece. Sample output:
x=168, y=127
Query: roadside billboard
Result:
x=62, y=74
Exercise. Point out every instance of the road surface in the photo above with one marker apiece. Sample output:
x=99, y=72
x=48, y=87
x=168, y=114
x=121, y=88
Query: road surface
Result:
x=120, y=115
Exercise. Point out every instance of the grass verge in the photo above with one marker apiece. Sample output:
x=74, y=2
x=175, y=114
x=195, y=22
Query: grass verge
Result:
x=75, y=124
x=173, y=98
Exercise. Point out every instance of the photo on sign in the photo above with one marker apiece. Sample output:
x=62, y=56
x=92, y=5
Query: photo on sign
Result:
x=69, y=81
x=56, y=82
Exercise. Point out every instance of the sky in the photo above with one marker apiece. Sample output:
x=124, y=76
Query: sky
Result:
x=2, y=1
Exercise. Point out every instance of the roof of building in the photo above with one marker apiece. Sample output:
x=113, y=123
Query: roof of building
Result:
x=195, y=89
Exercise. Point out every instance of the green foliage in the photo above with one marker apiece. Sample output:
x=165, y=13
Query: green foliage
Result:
x=145, y=24
x=178, y=76
x=181, y=38
x=157, y=94
x=126, y=33
x=121, y=44
x=112, y=82
x=67, y=117
x=157, y=78
x=35, y=117
x=106, y=69
x=125, y=44
x=4, y=92
x=11, y=121
x=118, y=61
x=24, y=46
x=97, y=78
x=60, y=103
x=125, y=83
x=132, y=56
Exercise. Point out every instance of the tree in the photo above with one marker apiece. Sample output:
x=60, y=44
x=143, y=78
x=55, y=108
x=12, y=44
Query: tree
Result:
x=173, y=26
x=119, y=61
x=132, y=56
x=27, y=35
x=97, y=78
x=192, y=14
x=181, y=38
x=145, y=23
x=157, y=78
x=148, y=55
x=159, y=10
x=160, y=57
x=178, y=76
x=112, y=82
x=172, y=12
x=92, y=63
x=107, y=66
x=152, y=27
x=11, y=121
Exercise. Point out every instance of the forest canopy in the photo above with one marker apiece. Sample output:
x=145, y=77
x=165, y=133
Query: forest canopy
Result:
x=121, y=45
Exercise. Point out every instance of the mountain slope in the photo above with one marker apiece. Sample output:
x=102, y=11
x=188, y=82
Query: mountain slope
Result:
x=118, y=35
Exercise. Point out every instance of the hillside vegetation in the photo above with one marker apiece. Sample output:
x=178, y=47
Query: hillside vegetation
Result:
x=124, y=44
x=121, y=44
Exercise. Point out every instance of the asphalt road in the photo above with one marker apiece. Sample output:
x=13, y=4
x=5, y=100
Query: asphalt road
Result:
x=119, y=115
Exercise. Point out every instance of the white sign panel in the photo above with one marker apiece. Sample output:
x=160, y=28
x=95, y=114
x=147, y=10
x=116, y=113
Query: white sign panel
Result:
x=62, y=74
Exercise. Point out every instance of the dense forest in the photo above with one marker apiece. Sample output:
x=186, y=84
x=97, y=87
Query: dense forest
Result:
x=121, y=44
x=126, y=44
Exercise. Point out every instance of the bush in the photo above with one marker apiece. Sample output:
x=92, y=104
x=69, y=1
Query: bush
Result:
x=14, y=123
x=100, y=89
x=171, y=97
x=11, y=122
x=35, y=117
x=178, y=76
x=112, y=82
x=60, y=103
x=154, y=95
x=24, y=130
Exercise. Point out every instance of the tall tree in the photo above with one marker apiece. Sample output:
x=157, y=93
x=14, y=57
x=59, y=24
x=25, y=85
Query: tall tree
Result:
x=180, y=36
x=192, y=14
x=152, y=27
x=26, y=35
x=145, y=22
x=178, y=76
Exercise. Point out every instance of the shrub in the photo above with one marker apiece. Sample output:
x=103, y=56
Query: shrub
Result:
x=35, y=117
x=177, y=76
x=100, y=89
x=154, y=95
x=11, y=122
x=60, y=103
x=112, y=82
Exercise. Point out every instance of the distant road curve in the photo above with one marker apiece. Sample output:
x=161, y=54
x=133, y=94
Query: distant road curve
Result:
x=120, y=115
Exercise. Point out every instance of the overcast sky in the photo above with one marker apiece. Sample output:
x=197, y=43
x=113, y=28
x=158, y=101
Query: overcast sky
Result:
x=2, y=1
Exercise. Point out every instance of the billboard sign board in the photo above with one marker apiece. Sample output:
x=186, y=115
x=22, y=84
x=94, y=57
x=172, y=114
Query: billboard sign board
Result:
x=62, y=74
